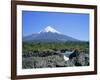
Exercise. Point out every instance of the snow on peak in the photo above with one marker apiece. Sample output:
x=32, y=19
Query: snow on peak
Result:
x=49, y=29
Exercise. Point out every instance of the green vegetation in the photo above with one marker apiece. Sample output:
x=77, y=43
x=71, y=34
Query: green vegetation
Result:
x=41, y=55
x=36, y=46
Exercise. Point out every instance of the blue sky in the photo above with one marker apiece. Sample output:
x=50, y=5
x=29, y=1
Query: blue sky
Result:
x=70, y=24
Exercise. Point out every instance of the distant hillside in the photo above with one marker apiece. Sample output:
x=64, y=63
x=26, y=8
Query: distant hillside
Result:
x=49, y=34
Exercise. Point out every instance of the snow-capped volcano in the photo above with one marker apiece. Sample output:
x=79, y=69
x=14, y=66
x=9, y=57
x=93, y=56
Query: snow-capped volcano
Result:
x=49, y=29
x=48, y=34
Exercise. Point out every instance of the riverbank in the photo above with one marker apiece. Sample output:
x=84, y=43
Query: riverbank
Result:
x=54, y=59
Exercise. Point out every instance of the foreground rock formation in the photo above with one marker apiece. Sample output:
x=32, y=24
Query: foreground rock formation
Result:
x=54, y=59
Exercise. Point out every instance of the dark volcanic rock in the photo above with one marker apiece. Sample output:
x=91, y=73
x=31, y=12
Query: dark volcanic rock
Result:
x=78, y=59
x=60, y=64
x=27, y=63
x=54, y=59
x=71, y=62
x=40, y=64
x=83, y=59
x=74, y=54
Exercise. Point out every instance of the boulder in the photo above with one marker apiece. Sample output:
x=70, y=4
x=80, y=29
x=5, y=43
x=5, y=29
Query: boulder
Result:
x=83, y=59
x=27, y=63
x=60, y=64
x=74, y=54
x=40, y=64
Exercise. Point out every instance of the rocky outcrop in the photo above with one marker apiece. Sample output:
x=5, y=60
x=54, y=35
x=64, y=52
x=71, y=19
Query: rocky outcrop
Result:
x=79, y=59
x=40, y=54
x=74, y=54
x=54, y=59
x=83, y=59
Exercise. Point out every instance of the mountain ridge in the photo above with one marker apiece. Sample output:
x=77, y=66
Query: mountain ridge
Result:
x=48, y=34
